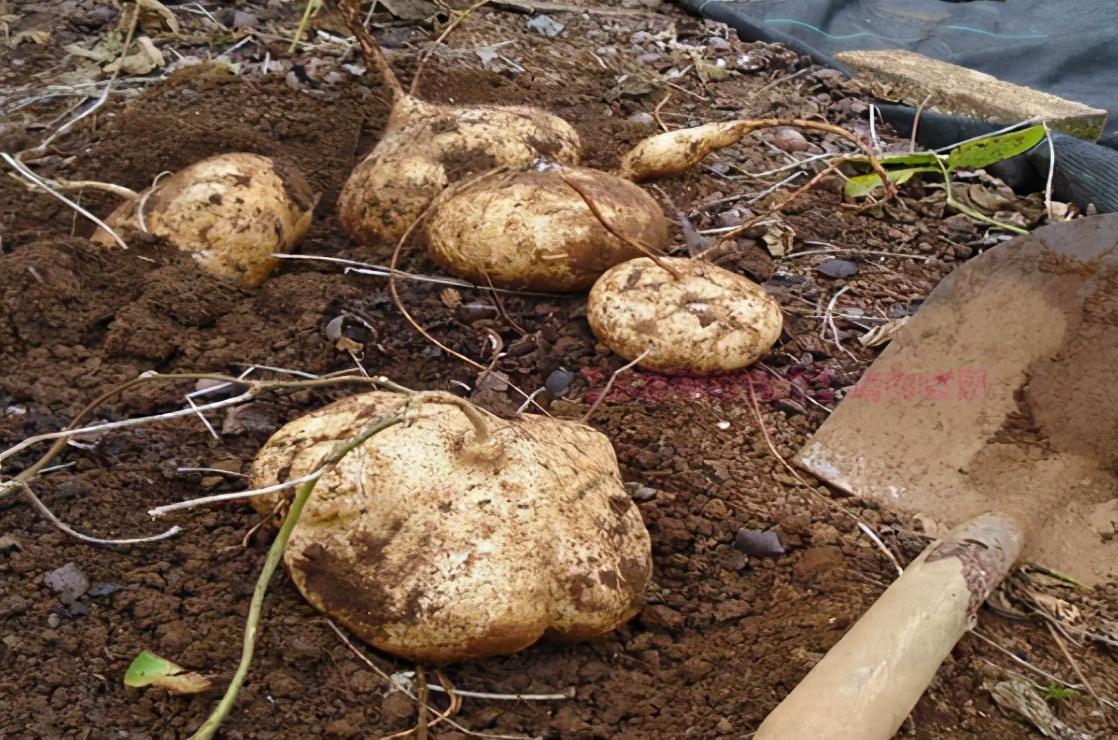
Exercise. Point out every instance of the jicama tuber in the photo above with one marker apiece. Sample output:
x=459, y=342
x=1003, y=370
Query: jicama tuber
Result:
x=685, y=314
x=674, y=152
x=426, y=147
x=458, y=535
x=535, y=229
x=232, y=212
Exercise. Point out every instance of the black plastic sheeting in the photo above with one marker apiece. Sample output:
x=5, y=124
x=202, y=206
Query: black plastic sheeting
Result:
x=1065, y=47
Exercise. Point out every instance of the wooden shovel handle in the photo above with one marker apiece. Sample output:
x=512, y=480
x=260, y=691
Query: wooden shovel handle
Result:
x=867, y=684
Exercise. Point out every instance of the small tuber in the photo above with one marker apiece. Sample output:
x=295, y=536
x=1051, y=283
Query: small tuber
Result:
x=698, y=317
x=232, y=212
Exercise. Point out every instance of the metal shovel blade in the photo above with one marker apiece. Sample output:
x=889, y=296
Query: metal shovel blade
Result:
x=1001, y=393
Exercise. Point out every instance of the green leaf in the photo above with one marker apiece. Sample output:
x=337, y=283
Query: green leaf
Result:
x=862, y=185
x=1058, y=693
x=148, y=669
x=974, y=155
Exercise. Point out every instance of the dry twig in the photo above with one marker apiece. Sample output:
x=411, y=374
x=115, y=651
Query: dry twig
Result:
x=1075, y=666
x=656, y=112
x=609, y=385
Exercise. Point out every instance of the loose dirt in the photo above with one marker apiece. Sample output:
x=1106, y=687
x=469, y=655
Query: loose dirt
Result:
x=724, y=636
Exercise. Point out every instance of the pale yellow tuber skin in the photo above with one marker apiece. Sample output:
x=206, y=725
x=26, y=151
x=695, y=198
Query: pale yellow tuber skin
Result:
x=426, y=147
x=533, y=230
x=674, y=152
x=701, y=319
x=439, y=545
x=232, y=212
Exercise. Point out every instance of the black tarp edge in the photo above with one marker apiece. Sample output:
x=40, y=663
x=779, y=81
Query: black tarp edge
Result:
x=1085, y=173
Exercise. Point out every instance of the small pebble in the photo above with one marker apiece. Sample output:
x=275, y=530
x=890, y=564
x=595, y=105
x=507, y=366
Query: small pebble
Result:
x=558, y=382
x=789, y=140
x=104, y=589
x=836, y=268
x=757, y=543
x=241, y=19
x=53, y=621
x=68, y=581
x=545, y=25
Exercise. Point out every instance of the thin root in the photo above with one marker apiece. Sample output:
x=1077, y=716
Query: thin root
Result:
x=642, y=248
x=609, y=385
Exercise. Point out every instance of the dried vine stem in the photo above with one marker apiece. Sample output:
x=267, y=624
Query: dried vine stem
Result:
x=42, y=148
x=370, y=49
x=871, y=159
x=72, y=429
x=394, y=292
x=865, y=528
x=51, y=189
x=725, y=239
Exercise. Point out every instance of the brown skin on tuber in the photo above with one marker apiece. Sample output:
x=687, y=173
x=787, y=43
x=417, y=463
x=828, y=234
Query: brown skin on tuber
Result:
x=232, y=212
x=534, y=230
x=454, y=537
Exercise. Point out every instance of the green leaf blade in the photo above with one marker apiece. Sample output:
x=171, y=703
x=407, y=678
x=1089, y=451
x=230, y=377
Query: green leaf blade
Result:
x=862, y=185
x=975, y=155
x=146, y=668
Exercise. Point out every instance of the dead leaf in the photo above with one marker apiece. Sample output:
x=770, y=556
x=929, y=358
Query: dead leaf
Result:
x=345, y=344
x=141, y=62
x=39, y=38
x=778, y=238
x=98, y=53
x=156, y=16
x=986, y=199
x=1056, y=607
x=710, y=71
x=450, y=297
x=1016, y=696
x=882, y=333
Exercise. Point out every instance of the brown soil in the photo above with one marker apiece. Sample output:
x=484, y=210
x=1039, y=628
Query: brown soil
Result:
x=724, y=636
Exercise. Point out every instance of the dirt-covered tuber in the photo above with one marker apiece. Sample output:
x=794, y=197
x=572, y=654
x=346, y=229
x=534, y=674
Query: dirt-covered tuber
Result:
x=457, y=535
x=232, y=212
x=426, y=147
x=677, y=151
x=702, y=318
x=674, y=152
x=535, y=230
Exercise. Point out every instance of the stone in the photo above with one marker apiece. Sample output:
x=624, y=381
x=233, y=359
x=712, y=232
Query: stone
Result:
x=909, y=78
